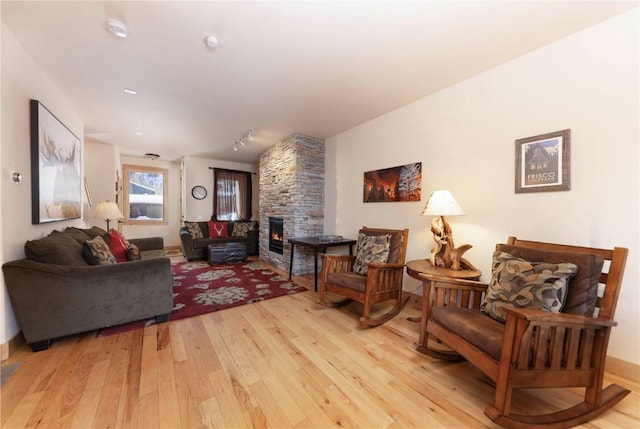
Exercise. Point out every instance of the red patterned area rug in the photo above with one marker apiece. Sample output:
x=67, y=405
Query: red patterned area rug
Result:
x=199, y=288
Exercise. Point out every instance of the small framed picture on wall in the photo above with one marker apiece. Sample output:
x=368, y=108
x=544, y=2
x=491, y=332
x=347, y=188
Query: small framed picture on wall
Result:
x=543, y=163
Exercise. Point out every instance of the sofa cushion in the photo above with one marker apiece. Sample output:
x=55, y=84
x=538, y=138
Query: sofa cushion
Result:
x=217, y=229
x=516, y=282
x=95, y=231
x=118, y=245
x=241, y=229
x=57, y=248
x=371, y=249
x=583, y=287
x=96, y=251
x=194, y=230
x=80, y=235
x=151, y=254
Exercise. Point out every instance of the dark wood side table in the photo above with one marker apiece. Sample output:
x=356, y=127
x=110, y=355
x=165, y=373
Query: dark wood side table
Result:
x=318, y=244
x=421, y=268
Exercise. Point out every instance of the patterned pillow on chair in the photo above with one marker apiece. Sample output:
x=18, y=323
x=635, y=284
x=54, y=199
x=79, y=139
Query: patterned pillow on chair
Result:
x=519, y=283
x=371, y=248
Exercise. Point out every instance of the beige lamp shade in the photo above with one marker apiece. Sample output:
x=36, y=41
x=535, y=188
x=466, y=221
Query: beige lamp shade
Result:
x=107, y=210
x=442, y=203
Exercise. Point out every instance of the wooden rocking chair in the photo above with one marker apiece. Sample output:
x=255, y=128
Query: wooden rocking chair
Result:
x=534, y=348
x=382, y=282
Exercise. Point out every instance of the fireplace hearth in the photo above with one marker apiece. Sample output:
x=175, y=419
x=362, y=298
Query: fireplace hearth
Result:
x=276, y=235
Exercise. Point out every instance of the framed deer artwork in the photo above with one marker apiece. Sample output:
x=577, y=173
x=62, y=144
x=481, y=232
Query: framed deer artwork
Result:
x=56, y=184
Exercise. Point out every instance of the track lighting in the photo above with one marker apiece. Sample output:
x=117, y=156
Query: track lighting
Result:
x=247, y=135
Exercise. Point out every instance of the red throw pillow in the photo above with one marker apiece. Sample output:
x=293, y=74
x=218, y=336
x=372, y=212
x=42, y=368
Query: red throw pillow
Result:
x=217, y=229
x=118, y=245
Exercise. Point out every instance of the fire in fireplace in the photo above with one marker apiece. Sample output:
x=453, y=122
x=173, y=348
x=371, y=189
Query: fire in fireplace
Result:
x=276, y=234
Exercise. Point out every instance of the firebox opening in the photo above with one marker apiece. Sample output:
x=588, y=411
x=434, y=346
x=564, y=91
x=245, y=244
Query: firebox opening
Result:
x=276, y=234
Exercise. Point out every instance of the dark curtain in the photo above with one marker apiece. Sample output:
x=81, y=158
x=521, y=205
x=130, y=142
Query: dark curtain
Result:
x=231, y=194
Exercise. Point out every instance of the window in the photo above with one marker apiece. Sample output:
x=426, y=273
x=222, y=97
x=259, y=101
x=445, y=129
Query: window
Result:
x=232, y=194
x=145, y=192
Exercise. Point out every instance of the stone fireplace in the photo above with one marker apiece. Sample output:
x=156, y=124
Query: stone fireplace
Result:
x=292, y=189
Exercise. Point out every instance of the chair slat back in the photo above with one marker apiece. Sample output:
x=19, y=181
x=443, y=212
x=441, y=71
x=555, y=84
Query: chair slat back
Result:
x=611, y=277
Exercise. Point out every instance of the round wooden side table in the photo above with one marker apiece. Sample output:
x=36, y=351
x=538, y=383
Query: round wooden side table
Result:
x=422, y=269
x=424, y=266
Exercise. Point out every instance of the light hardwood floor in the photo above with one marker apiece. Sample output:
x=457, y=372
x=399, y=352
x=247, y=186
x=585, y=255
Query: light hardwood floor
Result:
x=281, y=363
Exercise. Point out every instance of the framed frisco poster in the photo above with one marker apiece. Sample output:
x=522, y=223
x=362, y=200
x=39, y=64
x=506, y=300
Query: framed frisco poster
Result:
x=56, y=185
x=543, y=163
x=393, y=184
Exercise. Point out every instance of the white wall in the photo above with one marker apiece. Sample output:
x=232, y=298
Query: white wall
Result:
x=22, y=81
x=464, y=136
x=197, y=172
x=101, y=164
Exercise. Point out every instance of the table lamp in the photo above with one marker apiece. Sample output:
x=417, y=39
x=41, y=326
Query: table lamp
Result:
x=108, y=211
x=445, y=254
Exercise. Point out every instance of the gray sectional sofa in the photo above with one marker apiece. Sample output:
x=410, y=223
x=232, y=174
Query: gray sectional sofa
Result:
x=55, y=292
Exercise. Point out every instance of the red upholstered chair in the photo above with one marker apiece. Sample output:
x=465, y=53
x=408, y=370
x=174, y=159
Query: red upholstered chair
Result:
x=373, y=282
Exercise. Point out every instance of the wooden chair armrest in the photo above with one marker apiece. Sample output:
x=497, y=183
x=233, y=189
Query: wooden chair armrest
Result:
x=450, y=292
x=540, y=317
x=377, y=265
x=381, y=272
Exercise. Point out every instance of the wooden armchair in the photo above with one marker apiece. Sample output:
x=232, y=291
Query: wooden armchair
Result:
x=382, y=282
x=535, y=348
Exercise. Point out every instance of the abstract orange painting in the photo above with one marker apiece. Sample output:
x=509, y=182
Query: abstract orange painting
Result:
x=393, y=184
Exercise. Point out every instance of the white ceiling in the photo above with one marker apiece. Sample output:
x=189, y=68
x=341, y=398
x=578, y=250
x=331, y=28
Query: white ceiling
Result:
x=318, y=68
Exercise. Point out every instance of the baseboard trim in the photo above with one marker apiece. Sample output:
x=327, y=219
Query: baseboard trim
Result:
x=623, y=368
x=11, y=346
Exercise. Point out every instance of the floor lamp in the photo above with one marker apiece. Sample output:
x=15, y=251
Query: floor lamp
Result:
x=107, y=210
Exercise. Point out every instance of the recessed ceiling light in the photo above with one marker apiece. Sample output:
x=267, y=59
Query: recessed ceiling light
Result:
x=138, y=133
x=130, y=91
x=211, y=41
x=117, y=28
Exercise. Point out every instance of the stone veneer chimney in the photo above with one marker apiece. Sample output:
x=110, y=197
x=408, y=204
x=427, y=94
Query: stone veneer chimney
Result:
x=292, y=187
